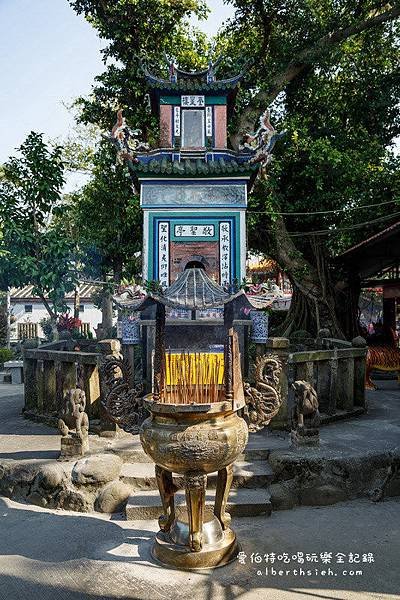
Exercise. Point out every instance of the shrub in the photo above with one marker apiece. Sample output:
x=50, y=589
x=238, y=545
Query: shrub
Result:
x=67, y=323
x=45, y=324
x=5, y=355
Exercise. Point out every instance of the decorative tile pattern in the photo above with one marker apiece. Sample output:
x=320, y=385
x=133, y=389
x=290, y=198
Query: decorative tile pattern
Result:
x=259, y=329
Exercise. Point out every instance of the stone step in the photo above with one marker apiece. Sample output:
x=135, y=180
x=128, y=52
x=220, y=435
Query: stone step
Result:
x=145, y=505
x=141, y=476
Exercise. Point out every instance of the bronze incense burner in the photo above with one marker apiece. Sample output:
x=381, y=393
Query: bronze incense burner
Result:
x=194, y=428
x=194, y=440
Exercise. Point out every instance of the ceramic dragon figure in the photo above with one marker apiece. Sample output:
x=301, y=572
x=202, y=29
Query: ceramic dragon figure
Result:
x=264, y=400
x=122, y=403
x=262, y=142
x=126, y=140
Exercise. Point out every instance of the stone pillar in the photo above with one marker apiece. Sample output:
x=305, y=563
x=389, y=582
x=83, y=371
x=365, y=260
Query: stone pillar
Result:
x=331, y=408
x=69, y=375
x=92, y=390
x=280, y=346
x=108, y=348
x=49, y=387
x=40, y=385
x=128, y=350
x=324, y=384
x=59, y=385
x=345, y=392
x=30, y=384
x=359, y=371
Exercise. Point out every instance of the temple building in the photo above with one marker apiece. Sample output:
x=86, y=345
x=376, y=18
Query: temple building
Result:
x=193, y=190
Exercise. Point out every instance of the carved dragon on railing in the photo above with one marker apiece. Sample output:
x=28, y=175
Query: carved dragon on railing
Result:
x=264, y=400
x=122, y=403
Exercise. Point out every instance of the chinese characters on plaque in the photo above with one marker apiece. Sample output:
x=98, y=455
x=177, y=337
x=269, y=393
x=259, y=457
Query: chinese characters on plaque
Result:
x=224, y=252
x=163, y=253
x=177, y=120
x=193, y=101
x=194, y=230
x=209, y=121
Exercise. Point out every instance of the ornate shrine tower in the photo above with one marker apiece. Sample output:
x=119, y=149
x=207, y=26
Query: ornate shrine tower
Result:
x=193, y=190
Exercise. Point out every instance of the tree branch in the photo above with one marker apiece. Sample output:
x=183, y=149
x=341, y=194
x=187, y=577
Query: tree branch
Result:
x=301, y=62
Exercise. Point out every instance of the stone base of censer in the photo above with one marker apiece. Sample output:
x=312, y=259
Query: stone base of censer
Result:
x=219, y=547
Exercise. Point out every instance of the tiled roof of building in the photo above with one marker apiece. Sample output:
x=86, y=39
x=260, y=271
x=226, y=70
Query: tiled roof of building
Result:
x=86, y=291
x=194, y=290
x=192, y=82
x=193, y=168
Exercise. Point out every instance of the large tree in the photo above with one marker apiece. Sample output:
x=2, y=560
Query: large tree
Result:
x=36, y=248
x=106, y=224
x=329, y=68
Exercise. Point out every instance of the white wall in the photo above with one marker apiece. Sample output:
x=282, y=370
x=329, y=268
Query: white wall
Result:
x=90, y=314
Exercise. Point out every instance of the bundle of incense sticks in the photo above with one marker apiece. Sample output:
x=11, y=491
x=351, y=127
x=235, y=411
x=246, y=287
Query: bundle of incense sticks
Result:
x=193, y=378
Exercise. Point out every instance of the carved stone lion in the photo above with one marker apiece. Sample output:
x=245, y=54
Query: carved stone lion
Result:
x=73, y=416
x=305, y=415
x=264, y=400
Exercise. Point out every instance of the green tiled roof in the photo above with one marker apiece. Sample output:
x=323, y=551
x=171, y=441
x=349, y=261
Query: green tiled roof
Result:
x=192, y=168
x=193, y=85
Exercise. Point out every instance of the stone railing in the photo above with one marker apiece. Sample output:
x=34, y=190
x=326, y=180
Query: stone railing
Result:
x=50, y=370
x=336, y=371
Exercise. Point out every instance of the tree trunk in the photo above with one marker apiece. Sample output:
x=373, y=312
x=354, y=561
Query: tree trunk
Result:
x=107, y=314
x=53, y=317
x=8, y=318
x=313, y=303
x=77, y=301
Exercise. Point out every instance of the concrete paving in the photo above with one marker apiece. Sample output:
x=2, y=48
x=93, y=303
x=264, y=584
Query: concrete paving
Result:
x=69, y=556
x=23, y=439
x=52, y=555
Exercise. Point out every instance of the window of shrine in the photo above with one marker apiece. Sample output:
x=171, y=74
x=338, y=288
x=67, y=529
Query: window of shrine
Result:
x=193, y=128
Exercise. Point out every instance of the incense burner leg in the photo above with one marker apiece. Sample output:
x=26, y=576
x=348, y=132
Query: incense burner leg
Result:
x=195, y=490
x=224, y=482
x=167, y=490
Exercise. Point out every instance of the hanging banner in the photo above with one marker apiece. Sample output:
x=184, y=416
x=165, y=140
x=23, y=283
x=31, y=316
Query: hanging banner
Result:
x=177, y=121
x=163, y=253
x=209, y=129
x=224, y=252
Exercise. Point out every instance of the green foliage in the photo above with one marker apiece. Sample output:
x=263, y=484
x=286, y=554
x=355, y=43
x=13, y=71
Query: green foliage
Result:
x=46, y=325
x=38, y=249
x=106, y=219
x=340, y=112
x=3, y=318
x=332, y=74
x=5, y=355
x=153, y=287
x=137, y=31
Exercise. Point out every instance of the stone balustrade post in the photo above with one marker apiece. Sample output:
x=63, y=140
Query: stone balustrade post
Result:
x=359, y=371
x=280, y=346
x=108, y=347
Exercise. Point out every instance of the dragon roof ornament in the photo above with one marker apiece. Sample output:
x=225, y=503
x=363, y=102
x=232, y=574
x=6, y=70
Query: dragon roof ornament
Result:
x=262, y=142
x=126, y=140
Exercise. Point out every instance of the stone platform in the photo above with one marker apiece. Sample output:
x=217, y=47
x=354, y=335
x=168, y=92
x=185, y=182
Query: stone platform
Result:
x=351, y=462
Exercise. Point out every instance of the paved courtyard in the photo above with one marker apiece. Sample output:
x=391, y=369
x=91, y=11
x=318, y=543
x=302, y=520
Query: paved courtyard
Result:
x=51, y=555
x=63, y=555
